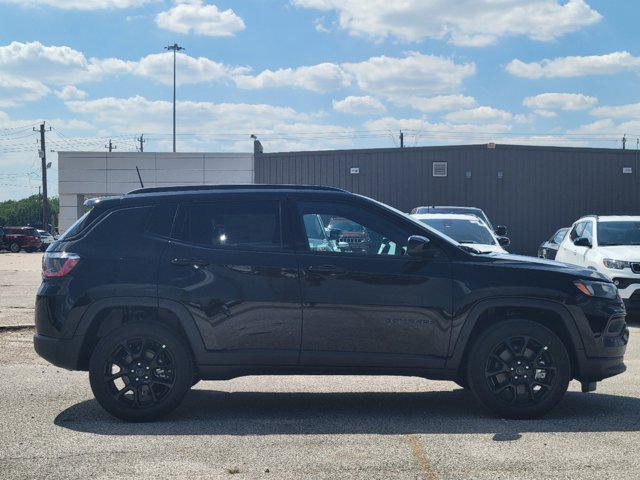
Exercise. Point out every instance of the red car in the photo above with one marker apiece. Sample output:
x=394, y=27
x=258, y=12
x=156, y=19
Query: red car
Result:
x=22, y=238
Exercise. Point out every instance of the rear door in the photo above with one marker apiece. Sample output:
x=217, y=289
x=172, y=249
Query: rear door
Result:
x=230, y=263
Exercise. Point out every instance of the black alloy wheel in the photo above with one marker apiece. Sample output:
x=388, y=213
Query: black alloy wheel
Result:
x=141, y=371
x=519, y=369
x=14, y=247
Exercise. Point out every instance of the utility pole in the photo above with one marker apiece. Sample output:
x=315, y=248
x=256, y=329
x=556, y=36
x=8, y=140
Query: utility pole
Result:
x=141, y=140
x=42, y=153
x=176, y=48
x=110, y=146
x=401, y=139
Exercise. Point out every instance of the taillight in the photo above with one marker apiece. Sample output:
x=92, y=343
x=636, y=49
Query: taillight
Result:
x=58, y=264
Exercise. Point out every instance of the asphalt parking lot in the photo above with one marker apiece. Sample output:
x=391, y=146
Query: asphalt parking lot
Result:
x=300, y=426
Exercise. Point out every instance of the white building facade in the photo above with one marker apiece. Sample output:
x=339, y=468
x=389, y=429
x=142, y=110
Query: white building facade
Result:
x=83, y=175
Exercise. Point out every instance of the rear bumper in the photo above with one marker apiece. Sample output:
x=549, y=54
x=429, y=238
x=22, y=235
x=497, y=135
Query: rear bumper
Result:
x=61, y=352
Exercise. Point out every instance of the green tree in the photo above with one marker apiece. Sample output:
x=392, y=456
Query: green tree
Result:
x=27, y=210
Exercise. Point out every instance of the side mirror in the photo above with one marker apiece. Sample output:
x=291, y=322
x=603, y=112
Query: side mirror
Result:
x=335, y=234
x=418, y=246
x=501, y=230
x=504, y=241
x=582, y=242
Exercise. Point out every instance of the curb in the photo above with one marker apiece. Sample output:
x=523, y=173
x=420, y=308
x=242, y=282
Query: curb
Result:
x=22, y=326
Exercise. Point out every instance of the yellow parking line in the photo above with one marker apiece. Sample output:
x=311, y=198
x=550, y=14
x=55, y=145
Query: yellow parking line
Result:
x=421, y=458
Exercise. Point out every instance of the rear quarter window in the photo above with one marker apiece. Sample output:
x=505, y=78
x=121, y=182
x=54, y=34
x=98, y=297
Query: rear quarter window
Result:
x=82, y=223
x=117, y=231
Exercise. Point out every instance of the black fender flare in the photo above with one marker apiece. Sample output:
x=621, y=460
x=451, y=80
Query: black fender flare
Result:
x=459, y=345
x=178, y=309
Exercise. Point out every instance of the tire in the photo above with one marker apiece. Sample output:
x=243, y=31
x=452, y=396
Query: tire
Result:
x=144, y=387
x=14, y=247
x=515, y=390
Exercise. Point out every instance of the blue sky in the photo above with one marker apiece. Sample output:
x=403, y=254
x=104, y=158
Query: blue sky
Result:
x=313, y=74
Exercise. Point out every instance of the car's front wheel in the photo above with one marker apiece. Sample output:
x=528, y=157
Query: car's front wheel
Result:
x=519, y=369
x=14, y=247
x=141, y=371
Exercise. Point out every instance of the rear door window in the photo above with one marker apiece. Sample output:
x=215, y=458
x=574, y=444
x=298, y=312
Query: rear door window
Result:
x=232, y=225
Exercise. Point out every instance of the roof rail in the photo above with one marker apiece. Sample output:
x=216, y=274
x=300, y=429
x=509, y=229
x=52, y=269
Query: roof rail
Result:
x=251, y=186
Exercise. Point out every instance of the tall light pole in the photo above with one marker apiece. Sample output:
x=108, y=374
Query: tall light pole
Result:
x=176, y=48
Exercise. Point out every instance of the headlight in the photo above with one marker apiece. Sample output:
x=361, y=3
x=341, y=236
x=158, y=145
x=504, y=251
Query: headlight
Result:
x=597, y=289
x=616, y=264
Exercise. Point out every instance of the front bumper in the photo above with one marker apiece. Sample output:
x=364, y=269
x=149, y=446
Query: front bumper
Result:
x=61, y=352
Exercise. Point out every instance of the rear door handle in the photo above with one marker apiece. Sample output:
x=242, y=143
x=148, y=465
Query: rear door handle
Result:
x=328, y=269
x=189, y=262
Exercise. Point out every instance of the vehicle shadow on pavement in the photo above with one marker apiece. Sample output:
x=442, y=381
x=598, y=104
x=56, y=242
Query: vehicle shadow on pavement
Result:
x=211, y=412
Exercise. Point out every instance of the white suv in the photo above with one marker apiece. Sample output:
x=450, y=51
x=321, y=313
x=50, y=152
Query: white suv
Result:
x=610, y=245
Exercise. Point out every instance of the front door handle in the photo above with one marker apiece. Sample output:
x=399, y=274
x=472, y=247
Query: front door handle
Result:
x=327, y=269
x=189, y=262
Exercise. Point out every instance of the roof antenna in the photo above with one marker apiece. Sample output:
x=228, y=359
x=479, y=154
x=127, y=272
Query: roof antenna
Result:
x=139, y=177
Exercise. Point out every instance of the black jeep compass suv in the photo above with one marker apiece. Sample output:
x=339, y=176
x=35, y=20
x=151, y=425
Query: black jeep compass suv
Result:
x=156, y=289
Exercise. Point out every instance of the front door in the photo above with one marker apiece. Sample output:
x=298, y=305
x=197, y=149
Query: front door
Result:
x=230, y=266
x=365, y=302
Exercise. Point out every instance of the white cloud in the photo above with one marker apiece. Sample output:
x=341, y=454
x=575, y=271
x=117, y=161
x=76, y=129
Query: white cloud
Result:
x=191, y=69
x=323, y=77
x=201, y=19
x=413, y=75
x=545, y=113
x=358, y=105
x=438, y=103
x=423, y=131
x=618, y=111
x=62, y=65
x=461, y=22
x=14, y=91
x=575, y=66
x=277, y=127
x=479, y=115
x=79, y=4
x=71, y=93
x=560, y=101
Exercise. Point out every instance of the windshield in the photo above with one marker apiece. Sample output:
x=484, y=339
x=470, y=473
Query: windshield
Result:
x=619, y=233
x=463, y=231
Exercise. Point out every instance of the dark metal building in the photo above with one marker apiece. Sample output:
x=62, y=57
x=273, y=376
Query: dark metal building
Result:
x=533, y=190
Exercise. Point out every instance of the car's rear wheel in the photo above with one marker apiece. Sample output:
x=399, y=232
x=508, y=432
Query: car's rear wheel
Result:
x=519, y=369
x=14, y=247
x=140, y=372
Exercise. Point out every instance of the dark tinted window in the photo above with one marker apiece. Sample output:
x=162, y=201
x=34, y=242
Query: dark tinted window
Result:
x=236, y=225
x=161, y=219
x=82, y=223
x=117, y=231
